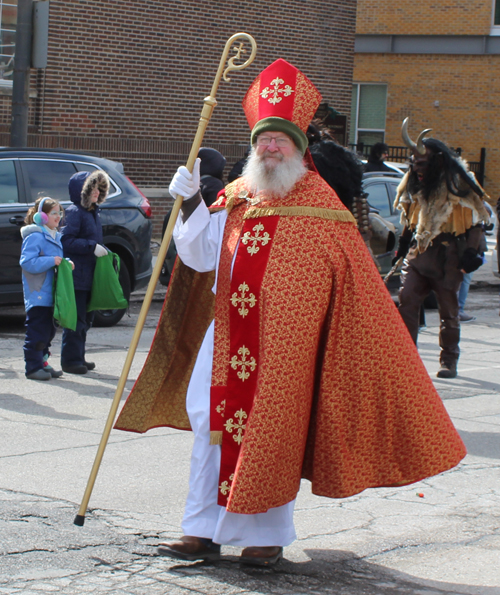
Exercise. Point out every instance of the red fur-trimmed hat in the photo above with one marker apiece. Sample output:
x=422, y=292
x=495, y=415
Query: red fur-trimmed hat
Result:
x=281, y=99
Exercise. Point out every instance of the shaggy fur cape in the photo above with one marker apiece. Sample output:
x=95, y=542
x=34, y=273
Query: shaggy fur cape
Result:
x=442, y=212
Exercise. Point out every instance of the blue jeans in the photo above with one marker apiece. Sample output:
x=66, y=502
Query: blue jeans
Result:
x=463, y=292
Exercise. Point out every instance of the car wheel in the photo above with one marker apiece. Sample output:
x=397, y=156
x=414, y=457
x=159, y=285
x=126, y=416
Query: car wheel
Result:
x=103, y=318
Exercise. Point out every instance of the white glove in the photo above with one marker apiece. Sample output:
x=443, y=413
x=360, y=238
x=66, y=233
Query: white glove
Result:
x=100, y=250
x=184, y=183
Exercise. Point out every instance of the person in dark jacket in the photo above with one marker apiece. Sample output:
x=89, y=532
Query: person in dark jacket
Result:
x=237, y=168
x=82, y=243
x=378, y=153
x=211, y=169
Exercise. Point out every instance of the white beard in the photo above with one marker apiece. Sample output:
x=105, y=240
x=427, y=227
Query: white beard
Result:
x=276, y=179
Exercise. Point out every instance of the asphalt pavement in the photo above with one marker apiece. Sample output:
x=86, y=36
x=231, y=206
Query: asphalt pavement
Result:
x=439, y=536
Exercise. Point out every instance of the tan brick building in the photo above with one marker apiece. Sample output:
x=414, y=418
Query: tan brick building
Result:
x=127, y=79
x=437, y=62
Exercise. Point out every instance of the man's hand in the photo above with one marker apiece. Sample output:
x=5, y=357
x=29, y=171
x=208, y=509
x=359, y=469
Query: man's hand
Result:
x=184, y=183
x=403, y=247
x=57, y=260
x=470, y=261
x=100, y=250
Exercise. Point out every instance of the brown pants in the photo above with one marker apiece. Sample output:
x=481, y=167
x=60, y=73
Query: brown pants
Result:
x=434, y=270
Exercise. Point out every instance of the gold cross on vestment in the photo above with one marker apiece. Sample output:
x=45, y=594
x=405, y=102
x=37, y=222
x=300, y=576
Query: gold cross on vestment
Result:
x=225, y=485
x=275, y=90
x=243, y=363
x=242, y=299
x=248, y=237
x=239, y=427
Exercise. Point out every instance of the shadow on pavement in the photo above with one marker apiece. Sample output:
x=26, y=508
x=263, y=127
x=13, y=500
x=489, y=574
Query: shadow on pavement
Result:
x=482, y=444
x=11, y=402
x=328, y=572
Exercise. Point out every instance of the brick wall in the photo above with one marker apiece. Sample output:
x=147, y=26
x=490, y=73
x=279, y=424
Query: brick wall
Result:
x=425, y=17
x=467, y=89
x=130, y=77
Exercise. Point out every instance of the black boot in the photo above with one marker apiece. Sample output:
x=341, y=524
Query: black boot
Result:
x=78, y=369
x=447, y=370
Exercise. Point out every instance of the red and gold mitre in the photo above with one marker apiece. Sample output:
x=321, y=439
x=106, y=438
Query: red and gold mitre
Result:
x=281, y=99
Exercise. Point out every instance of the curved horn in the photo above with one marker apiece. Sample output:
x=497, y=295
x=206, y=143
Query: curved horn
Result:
x=420, y=144
x=406, y=137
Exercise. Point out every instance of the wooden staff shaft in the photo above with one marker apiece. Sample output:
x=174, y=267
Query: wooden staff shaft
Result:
x=206, y=113
x=393, y=270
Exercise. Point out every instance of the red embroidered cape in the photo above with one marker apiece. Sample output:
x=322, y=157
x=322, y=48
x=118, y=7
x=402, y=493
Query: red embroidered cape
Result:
x=341, y=396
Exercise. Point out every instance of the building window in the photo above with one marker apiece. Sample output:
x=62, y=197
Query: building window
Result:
x=495, y=18
x=8, y=19
x=368, y=109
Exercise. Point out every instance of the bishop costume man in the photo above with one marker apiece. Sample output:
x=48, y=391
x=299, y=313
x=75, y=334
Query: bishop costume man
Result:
x=280, y=347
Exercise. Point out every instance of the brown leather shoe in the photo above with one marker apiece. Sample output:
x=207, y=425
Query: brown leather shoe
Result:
x=190, y=548
x=261, y=556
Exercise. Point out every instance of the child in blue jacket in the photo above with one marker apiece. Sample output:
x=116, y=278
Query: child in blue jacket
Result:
x=41, y=252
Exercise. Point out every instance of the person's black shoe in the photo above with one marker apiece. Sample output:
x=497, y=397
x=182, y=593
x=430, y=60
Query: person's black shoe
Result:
x=89, y=365
x=447, y=371
x=81, y=369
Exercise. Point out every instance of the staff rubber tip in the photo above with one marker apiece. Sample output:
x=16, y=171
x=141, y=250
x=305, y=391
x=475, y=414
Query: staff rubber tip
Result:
x=79, y=520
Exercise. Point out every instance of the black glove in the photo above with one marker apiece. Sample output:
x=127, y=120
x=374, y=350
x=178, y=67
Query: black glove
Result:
x=470, y=260
x=403, y=247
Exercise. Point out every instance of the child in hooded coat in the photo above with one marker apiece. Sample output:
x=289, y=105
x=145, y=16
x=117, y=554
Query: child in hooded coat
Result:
x=82, y=239
x=41, y=252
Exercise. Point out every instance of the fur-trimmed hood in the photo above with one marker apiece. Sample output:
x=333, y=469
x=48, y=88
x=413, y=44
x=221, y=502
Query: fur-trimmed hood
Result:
x=29, y=229
x=81, y=185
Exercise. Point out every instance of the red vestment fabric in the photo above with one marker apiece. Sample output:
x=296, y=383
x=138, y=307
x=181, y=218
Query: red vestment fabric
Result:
x=341, y=395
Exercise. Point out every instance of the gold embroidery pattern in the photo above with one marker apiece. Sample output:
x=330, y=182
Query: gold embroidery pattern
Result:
x=221, y=408
x=243, y=299
x=239, y=427
x=265, y=238
x=244, y=363
x=225, y=486
x=275, y=91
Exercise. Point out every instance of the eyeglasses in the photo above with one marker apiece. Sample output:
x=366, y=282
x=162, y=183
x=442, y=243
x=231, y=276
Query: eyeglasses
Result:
x=281, y=141
x=56, y=213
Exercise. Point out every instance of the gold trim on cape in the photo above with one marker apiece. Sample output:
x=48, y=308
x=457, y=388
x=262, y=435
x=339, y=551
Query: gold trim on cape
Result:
x=329, y=214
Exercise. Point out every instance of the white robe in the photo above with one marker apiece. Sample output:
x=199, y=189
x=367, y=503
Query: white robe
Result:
x=198, y=243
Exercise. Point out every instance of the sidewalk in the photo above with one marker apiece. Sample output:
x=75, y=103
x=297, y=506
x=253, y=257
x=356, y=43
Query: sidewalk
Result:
x=439, y=536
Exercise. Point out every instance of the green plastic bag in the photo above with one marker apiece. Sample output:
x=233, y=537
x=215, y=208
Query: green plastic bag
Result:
x=64, y=296
x=107, y=293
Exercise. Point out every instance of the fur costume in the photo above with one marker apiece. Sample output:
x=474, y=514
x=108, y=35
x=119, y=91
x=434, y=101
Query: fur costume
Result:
x=444, y=212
